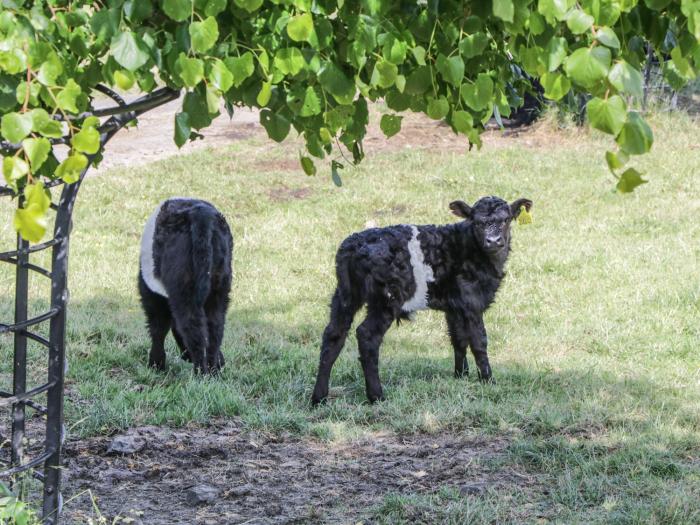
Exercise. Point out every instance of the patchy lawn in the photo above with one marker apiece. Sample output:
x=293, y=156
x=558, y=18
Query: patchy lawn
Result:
x=595, y=413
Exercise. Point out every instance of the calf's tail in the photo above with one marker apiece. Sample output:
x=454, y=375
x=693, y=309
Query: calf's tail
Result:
x=201, y=224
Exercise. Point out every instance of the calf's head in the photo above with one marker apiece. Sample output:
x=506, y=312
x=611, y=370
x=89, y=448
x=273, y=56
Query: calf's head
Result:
x=491, y=218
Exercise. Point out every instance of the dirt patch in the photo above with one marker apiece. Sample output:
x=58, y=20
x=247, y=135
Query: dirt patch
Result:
x=284, y=193
x=269, y=479
x=153, y=138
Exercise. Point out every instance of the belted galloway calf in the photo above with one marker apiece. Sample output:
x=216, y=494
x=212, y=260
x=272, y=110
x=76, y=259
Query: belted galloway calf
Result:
x=185, y=280
x=397, y=270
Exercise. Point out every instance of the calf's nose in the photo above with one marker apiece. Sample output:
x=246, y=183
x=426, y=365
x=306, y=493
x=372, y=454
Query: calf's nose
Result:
x=494, y=242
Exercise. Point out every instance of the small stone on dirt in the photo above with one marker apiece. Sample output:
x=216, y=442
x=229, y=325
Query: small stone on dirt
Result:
x=126, y=444
x=113, y=475
x=201, y=494
x=241, y=490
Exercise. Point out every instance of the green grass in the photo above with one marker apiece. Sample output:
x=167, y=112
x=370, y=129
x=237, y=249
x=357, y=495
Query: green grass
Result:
x=594, y=338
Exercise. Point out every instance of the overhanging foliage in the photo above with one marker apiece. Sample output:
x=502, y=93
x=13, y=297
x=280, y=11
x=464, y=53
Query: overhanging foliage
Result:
x=312, y=65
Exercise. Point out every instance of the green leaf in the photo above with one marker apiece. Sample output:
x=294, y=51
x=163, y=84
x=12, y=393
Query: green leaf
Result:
x=30, y=220
x=241, y=67
x=419, y=54
x=191, y=70
x=300, y=27
x=336, y=83
x=219, y=75
x=214, y=7
x=67, y=98
x=182, y=129
x=587, y=66
x=249, y=5
x=607, y=37
x=390, y=125
x=289, y=60
x=607, y=115
x=553, y=10
x=536, y=23
x=196, y=105
x=451, y=69
x=13, y=169
x=578, y=21
x=626, y=79
x=42, y=123
x=616, y=160
x=462, y=121
x=129, y=50
x=555, y=53
x=635, y=137
x=657, y=5
x=276, y=125
x=682, y=64
x=16, y=126
x=37, y=151
x=13, y=61
x=335, y=176
x=70, y=169
x=87, y=140
x=479, y=94
x=105, y=23
x=438, y=108
x=307, y=165
x=473, y=45
x=178, y=10
x=203, y=35
x=629, y=180
x=394, y=50
x=504, y=9
x=124, y=79
x=264, y=94
x=304, y=102
x=50, y=70
x=555, y=85
x=384, y=74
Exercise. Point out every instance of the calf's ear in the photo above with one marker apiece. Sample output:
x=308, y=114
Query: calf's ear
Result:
x=516, y=205
x=461, y=209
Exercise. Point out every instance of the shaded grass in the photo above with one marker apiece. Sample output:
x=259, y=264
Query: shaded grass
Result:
x=593, y=339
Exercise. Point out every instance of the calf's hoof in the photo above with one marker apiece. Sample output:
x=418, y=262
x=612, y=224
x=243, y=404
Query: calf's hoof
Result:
x=460, y=374
x=375, y=398
x=318, y=400
x=484, y=378
x=157, y=364
x=319, y=397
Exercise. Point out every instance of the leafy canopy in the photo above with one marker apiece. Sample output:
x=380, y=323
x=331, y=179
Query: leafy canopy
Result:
x=312, y=65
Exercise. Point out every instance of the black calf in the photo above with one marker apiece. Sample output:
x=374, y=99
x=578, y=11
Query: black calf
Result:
x=398, y=270
x=185, y=280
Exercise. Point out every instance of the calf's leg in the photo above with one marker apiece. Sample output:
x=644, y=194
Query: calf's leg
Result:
x=158, y=319
x=215, y=309
x=478, y=343
x=332, y=343
x=191, y=323
x=370, y=334
x=457, y=328
x=184, y=353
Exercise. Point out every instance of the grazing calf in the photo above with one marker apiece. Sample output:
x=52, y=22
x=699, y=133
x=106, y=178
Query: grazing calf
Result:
x=185, y=280
x=398, y=270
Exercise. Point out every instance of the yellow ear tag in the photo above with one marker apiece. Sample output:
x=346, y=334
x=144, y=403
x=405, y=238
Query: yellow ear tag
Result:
x=524, y=217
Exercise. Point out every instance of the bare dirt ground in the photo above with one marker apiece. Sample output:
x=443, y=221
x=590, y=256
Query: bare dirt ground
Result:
x=257, y=478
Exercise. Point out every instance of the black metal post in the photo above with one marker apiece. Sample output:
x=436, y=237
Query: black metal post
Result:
x=20, y=398
x=19, y=373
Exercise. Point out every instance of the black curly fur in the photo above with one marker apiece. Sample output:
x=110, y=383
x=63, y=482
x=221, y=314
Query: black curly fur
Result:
x=374, y=268
x=192, y=252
